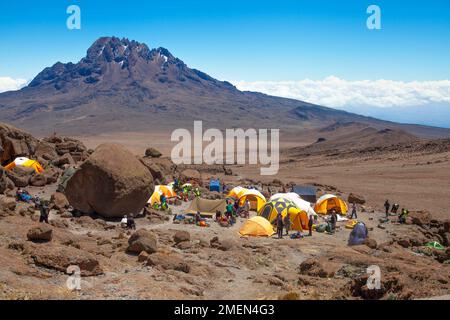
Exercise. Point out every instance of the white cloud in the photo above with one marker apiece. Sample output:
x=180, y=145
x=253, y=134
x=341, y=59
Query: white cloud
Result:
x=8, y=84
x=339, y=93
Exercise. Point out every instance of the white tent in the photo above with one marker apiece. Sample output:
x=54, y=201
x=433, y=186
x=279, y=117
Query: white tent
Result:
x=295, y=198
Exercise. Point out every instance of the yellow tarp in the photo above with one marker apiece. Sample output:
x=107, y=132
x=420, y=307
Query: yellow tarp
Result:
x=328, y=202
x=257, y=227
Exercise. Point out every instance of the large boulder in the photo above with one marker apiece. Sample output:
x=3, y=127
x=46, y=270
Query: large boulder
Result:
x=51, y=175
x=159, y=167
x=7, y=203
x=64, y=159
x=20, y=176
x=59, y=201
x=61, y=257
x=15, y=143
x=5, y=182
x=46, y=151
x=111, y=182
x=142, y=240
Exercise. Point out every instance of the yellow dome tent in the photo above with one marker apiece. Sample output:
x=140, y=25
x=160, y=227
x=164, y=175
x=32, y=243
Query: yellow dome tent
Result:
x=256, y=227
x=256, y=199
x=159, y=190
x=234, y=193
x=25, y=162
x=270, y=211
x=328, y=202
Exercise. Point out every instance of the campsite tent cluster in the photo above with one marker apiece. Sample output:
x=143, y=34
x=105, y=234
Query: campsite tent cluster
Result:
x=290, y=203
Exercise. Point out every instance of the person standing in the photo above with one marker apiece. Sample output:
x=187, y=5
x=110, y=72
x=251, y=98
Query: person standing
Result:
x=387, y=205
x=45, y=211
x=310, y=224
x=280, y=226
x=287, y=223
x=354, y=212
x=333, y=220
x=130, y=223
x=403, y=216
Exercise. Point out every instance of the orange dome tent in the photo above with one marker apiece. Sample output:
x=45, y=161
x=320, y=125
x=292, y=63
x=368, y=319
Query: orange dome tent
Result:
x=159, y=190
x=25, y=162
x=257, y=227
x=256, y=199
x=329, y=202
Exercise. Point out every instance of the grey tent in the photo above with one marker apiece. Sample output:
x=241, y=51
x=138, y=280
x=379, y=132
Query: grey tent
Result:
x=206, y=207
x=307, y=193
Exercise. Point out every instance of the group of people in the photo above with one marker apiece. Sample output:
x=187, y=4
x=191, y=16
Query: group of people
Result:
x=42, y=205
x=127, y=222
x=229, y=217
x=285, y=223
x=394, y=209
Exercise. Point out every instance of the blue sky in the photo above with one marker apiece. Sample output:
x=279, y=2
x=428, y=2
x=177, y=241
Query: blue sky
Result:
x=318, y=51
x=241, y=40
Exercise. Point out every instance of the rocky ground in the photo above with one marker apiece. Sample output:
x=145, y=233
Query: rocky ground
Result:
x=164, y=260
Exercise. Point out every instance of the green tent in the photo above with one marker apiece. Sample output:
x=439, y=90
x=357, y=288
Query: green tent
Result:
x=435, y=245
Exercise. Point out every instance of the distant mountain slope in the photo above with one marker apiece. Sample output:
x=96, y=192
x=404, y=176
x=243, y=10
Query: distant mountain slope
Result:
x=122, y=85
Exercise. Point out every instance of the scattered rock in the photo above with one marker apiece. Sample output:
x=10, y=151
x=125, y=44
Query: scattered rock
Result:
x=143, y=256
x=405, y=243
x=59, y=201
x=181, y=236
x=152, y=153
x=371, y=243
x=7, y=203
x=142, y=240
x=41, y=233
x=354, y=198
x=420, y=218
x=168, y=261
x=191, y=175
x=5, y=182
x=322, y=268
x=38, y=180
